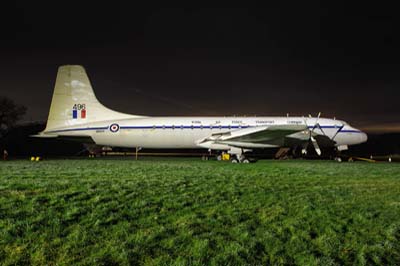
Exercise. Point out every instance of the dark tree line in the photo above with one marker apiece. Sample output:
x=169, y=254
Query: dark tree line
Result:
x=10, y=113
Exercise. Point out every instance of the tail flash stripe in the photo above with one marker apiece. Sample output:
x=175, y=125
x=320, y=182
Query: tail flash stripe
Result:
x=83, y=113
x=74, y=114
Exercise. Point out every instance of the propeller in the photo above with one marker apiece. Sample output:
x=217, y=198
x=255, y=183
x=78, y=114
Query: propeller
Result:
x=311, y=137
x=317, y=125
x=316, y=146
x=337, y=132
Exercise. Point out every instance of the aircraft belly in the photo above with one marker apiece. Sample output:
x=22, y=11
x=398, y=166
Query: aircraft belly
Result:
x=171, y=138
x=346, y=138
x=151, y=138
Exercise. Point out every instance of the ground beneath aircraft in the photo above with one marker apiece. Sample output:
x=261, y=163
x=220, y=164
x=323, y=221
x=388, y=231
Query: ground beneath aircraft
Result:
x=192, y=212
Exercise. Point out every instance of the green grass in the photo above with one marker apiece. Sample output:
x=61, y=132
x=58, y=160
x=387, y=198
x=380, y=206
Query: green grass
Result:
x=192, y=212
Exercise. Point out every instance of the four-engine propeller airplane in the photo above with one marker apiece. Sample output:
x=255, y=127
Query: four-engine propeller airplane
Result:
x=75, y=113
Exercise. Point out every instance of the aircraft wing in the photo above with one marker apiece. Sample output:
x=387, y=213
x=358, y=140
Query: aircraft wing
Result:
x=253, y=137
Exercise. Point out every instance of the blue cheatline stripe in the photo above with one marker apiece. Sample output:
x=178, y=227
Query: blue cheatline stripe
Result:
x=350, y=131
x=323, y=127
x=326, y=127
x=340, y=129
x=183, y=127
x=179, y=127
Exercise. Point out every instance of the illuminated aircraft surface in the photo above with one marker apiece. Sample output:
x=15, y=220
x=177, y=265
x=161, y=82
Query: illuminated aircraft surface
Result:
x=75, y=113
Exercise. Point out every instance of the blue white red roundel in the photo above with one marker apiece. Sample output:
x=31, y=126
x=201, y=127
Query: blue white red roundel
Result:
x=114, y=128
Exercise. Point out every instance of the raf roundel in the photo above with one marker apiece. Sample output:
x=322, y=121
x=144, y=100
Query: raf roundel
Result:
x=114, y=128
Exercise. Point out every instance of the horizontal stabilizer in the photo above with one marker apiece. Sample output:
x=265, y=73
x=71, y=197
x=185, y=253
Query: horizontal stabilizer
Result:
x=44, y=136
x=81, y=139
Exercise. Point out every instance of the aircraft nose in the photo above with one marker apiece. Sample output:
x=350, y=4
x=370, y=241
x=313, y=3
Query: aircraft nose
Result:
x=363, y=137
x=358, y=136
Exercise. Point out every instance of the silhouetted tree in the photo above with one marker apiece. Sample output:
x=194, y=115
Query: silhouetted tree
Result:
x=10, y=113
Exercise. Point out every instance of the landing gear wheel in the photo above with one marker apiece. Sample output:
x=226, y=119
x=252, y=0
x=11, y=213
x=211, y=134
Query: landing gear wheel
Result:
x=245, y=161
x=219, y=157
x=338, y=159
x=234, y=160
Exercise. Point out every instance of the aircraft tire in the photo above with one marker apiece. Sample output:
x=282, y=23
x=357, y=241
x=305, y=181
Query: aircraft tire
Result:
x=338, y=159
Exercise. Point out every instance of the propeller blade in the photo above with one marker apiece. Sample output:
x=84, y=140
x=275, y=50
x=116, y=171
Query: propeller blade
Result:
x=311, y=131
x=320, y=128
x=316, y=120
x=304, y=148
x=316, y=146
x=340, y=129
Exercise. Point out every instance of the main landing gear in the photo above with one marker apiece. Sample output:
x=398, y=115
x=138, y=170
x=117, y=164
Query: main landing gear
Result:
x=239, y=159
x=235, y=155
x=238, y=156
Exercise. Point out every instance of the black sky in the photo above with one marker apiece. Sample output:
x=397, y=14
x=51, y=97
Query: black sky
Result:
x=342, y=61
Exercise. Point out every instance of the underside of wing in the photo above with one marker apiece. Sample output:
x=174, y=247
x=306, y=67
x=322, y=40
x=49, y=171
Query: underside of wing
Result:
x=255, y=137
x=265, y=134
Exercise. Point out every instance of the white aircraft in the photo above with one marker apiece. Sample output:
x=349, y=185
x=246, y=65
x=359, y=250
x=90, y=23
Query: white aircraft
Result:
x=76, y=113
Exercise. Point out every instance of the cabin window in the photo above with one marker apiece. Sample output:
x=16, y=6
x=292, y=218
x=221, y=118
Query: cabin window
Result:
x=181, y=126
x=201, y=127
x=191, y=126
x=163, y=127
x=173, y=127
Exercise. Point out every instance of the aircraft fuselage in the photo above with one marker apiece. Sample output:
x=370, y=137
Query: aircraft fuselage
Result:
x=185, y=132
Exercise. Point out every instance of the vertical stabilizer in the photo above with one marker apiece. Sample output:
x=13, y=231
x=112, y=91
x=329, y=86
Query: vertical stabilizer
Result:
x=74, y=102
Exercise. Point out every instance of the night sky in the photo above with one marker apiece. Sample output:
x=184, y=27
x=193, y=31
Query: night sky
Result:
x=342, y=61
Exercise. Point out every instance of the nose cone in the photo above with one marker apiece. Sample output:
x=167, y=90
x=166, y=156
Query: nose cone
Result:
x=363, y=137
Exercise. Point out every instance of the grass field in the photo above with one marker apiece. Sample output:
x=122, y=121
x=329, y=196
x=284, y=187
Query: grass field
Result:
x=192, y=212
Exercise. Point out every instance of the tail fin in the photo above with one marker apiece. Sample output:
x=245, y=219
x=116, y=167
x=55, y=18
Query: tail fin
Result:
x=74, y=102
